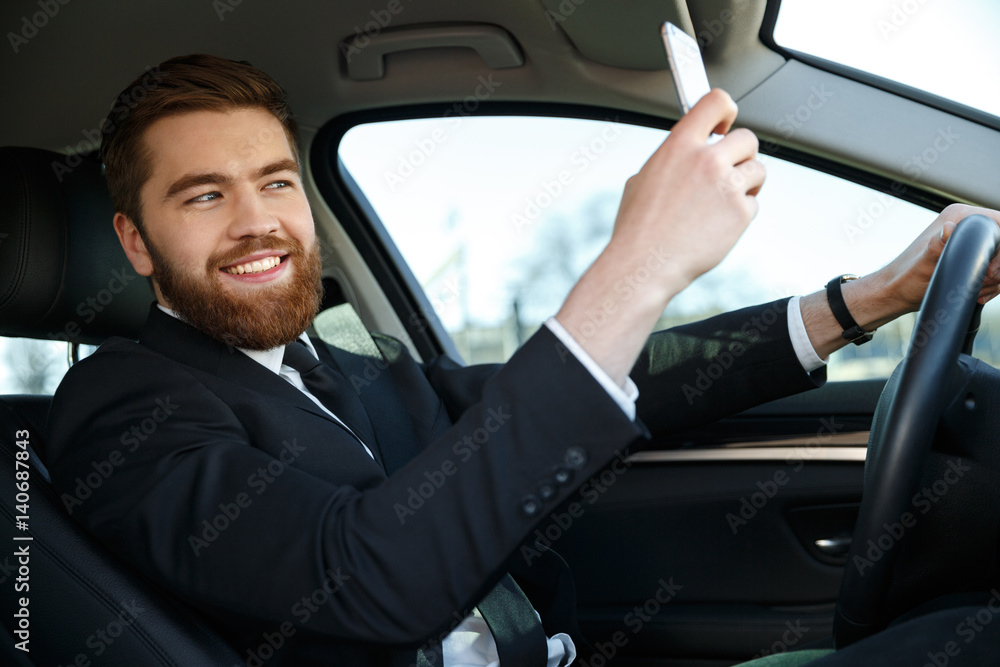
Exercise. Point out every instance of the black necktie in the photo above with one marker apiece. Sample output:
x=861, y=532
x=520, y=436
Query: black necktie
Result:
x=332, y=389
x=506, y=609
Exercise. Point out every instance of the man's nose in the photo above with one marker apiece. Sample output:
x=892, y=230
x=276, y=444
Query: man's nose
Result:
x=252, y=217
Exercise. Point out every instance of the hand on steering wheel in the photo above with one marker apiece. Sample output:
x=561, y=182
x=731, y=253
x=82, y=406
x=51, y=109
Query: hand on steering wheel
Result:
x=916, y=400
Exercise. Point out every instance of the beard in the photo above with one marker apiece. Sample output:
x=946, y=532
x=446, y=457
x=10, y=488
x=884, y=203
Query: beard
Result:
x=254, y=319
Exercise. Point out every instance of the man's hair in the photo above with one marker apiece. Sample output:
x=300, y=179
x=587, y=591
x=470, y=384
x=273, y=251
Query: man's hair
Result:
x=179, y=85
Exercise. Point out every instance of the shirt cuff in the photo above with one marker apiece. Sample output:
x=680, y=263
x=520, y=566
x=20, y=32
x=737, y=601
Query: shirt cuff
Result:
x=623, y=396
x=804, y=350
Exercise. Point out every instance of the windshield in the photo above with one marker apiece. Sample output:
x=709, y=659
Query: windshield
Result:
x=949, y=49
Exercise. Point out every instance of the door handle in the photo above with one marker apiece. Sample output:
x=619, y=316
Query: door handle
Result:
x=834, y=546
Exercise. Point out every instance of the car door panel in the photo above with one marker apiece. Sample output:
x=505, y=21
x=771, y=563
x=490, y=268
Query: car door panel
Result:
x=725, y=519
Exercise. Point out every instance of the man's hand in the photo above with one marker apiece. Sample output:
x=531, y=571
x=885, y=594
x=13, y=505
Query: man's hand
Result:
x=898, y=287
x=679, y=217
x=693, y=198
x=908, y=275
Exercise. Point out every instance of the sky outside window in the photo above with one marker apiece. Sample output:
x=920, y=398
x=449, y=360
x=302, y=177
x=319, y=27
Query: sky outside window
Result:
x=948, y=48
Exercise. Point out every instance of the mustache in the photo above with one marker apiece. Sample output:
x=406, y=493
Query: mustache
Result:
x=252, y=245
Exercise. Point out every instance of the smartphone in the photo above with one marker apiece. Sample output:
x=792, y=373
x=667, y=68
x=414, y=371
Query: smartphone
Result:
x=686, y=65
x=688, y=69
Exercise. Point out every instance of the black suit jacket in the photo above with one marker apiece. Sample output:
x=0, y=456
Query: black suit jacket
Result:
x=230, y=488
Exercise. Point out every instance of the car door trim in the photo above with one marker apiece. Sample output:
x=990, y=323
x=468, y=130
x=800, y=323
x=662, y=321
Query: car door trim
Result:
x=801, y=452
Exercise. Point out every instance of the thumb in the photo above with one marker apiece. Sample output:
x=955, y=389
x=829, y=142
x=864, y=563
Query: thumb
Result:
x=946, y=232
x=936, y=244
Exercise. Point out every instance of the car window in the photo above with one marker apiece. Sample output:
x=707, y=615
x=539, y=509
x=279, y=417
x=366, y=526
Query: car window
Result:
x=904, y=41
x=498, y=216
x=30, y=366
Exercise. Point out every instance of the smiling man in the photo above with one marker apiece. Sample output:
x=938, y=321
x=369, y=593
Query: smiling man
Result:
x=268, y=497
x=233, y=250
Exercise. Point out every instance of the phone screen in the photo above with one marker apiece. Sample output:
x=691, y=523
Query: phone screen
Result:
x=686, y=65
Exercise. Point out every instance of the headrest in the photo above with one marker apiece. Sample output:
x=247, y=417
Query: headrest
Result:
x=63, y=274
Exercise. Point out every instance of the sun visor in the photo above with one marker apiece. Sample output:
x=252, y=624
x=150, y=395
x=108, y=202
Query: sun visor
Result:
x=618, y=34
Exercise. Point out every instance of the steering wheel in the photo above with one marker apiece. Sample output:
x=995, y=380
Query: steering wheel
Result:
x=916, y=398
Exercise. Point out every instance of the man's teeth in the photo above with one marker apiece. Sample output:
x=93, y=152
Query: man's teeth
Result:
x=256, y=266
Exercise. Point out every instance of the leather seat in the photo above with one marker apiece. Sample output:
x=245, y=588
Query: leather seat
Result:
x=63, y=276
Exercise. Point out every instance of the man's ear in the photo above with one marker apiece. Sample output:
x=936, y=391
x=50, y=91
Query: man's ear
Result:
x=134, y=246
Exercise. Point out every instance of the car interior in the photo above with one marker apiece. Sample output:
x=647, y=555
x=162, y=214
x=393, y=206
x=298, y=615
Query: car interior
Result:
x=753, y=516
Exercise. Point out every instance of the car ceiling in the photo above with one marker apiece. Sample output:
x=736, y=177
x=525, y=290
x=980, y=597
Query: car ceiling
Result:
x=59, y=85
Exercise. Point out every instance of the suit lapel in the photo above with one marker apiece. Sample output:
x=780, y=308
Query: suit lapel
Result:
x=185, y=344
x=396, y=442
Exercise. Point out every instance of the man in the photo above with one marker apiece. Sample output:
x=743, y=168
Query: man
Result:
x=274, y=508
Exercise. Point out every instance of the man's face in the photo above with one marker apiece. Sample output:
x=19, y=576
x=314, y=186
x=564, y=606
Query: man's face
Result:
x=228, y=233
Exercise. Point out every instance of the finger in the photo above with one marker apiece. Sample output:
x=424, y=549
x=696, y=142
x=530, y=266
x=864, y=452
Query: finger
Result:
x=743, y=180
x=714, y=113
x=987, y=293
x=993, y=271
x=752, y=174
x=739, y=145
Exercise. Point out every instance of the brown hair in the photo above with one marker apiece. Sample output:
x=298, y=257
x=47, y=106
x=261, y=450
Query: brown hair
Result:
x=179, y=85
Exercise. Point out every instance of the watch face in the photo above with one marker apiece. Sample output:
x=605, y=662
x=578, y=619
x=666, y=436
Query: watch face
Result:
x=857, y=335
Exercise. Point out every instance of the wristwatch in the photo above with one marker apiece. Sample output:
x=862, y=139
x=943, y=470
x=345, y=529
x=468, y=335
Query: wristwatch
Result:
x=852, y=331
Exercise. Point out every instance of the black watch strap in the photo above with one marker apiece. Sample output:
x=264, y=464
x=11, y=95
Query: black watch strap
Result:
x=852, y=331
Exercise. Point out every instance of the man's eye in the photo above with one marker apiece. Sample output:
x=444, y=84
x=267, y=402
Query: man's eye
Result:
x=277, y=185
x=208, y=196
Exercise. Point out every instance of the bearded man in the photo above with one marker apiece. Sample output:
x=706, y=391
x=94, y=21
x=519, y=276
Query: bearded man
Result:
x=267, y=497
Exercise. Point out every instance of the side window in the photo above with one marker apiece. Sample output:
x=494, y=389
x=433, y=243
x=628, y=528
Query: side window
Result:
x=30, y=366
x=498, y=216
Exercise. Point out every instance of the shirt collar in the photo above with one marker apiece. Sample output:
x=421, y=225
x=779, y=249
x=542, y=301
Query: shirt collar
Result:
x=269, y=359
